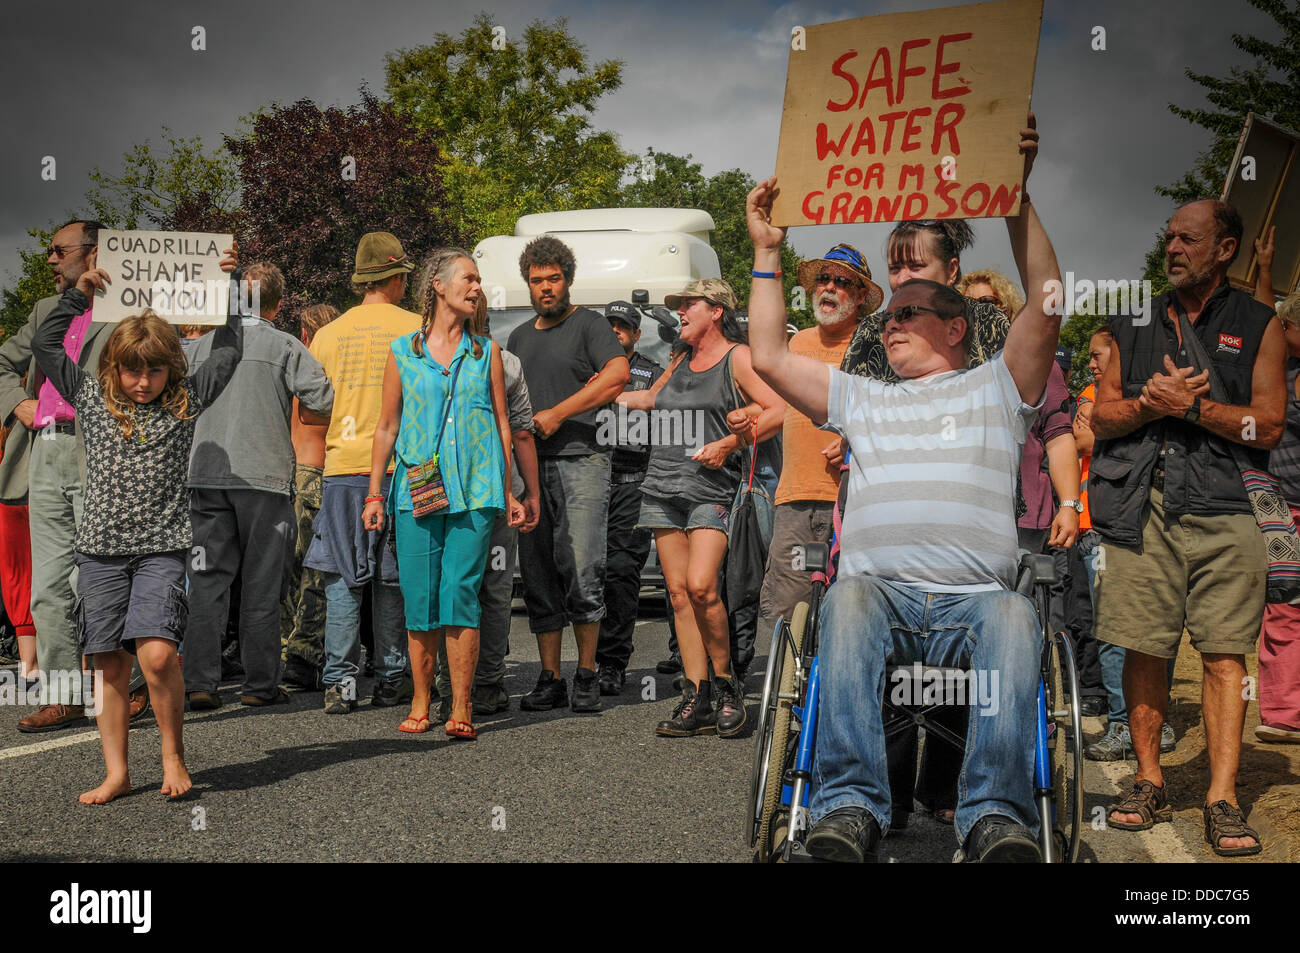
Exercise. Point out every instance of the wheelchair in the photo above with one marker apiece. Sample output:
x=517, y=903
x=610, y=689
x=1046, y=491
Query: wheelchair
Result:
x=778, y=822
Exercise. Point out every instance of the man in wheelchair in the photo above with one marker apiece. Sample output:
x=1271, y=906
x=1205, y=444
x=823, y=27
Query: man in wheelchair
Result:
x=928, y=552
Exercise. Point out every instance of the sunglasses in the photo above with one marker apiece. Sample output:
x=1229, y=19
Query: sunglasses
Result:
x=839, y=281
x=906, y=313
x=61, y=251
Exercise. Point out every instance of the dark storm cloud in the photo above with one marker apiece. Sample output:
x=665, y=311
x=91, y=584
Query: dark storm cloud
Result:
x=83, y=81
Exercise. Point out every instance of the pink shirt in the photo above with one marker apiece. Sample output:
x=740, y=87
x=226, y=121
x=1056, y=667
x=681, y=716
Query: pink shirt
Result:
x=50, y=405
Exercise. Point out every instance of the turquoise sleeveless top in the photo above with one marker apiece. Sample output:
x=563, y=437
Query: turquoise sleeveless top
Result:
x=473, y=467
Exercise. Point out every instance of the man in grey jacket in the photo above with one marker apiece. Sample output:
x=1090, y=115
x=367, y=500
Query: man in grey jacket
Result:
x=241, y=507
x=43, y=466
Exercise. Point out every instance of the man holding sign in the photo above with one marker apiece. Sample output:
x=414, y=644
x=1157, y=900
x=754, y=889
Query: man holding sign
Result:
x=934, y=462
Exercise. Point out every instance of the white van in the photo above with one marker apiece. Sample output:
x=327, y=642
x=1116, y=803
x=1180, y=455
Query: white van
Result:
x=618, y=250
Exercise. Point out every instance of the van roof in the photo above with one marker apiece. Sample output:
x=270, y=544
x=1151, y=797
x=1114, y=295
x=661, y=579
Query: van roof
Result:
x=691, y=221
x=613, y=256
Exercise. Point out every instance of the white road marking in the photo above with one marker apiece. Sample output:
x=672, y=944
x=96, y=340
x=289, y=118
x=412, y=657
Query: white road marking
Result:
x=49, y=744
x=1160, y=841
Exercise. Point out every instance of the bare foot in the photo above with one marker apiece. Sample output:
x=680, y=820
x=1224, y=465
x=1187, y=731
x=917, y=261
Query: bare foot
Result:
x=176, y=778
x=111, y=788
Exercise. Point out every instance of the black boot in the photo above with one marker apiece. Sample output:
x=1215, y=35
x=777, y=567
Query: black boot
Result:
x=729, y=701
x=692, y=716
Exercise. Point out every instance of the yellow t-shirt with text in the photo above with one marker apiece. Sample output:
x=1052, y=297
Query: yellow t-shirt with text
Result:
x=354, y=349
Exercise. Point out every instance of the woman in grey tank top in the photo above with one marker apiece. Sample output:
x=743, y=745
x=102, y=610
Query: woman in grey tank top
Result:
x=691, y=480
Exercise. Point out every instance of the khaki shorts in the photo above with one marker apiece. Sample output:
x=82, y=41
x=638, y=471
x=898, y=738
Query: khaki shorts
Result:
x=1207, y=573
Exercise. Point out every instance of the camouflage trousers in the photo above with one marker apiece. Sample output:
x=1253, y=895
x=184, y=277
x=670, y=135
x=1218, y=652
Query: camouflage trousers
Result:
x=302, y=614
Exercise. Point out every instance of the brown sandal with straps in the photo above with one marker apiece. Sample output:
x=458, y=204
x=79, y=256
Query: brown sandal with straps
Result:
x=1151, y=803
x=1223, y=820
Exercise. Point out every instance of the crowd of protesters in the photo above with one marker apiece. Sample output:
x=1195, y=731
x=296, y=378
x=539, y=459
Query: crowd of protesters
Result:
x=165, y=490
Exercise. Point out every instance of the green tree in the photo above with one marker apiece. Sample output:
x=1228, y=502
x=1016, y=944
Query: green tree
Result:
x=665, y=180
x=33, y=282
x=1270, y=88
x=184, y=189
x=315, y=180
x=513, y=120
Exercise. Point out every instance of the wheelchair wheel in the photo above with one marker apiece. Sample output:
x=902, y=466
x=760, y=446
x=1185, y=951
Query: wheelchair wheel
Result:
x=771, y=751
x=1065, y=742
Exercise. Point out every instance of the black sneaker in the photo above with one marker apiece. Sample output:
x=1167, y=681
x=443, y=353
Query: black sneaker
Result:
x=996, y=839
x=549, y=693
x=670, y=666
x=586, y=691
x=847, y=836
x=692, y=716
x=302, y=674
x=612, y=679
x=729, y=701
x=489, y=699
x=391, y=694
x=1093, y=706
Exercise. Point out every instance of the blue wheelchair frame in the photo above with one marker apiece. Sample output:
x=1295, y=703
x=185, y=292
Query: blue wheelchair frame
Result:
x=1058, y=730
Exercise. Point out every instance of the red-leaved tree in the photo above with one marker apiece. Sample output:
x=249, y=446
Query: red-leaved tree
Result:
x=315, y=180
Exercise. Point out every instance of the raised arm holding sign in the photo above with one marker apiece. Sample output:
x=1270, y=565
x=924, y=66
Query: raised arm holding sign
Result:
x=907, y=116
x=177, y=274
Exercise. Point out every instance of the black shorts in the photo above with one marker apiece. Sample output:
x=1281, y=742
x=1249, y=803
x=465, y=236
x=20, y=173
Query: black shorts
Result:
x=124, y=598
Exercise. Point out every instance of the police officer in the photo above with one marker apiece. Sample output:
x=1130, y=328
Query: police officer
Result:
x=627, y=547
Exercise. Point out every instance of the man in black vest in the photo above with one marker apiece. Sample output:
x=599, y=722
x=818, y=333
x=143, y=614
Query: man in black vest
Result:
x=1181, y=547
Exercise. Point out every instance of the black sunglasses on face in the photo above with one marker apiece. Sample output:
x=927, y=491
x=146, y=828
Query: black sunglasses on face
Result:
x=839, y=281
x=61, y=251
x=906, y=313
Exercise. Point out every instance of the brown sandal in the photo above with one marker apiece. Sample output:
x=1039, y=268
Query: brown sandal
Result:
x=1146, y=800
x=1223, y=820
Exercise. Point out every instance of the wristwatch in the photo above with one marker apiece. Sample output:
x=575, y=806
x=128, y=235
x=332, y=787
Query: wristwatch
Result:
x=1076, y=505
x=1193, y=412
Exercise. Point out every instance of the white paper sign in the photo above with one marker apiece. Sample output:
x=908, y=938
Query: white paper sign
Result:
x=177, y=274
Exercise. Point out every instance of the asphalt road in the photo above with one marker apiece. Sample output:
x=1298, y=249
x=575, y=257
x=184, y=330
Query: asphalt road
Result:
x=294, y=784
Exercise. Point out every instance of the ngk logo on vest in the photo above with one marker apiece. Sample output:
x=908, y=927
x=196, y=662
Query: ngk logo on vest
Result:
x=1230, y=343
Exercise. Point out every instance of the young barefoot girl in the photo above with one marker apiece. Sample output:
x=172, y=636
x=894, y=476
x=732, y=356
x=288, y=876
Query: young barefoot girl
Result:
x=137, y=420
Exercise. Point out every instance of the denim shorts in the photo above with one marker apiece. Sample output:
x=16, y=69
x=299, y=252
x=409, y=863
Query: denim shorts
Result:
x=124, y=598
x=683, y=515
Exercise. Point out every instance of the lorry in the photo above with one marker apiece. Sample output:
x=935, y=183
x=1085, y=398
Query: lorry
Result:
x=619, y=251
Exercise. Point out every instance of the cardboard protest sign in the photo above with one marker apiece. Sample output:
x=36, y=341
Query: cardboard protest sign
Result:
x=1264, y=184
x=177, y=274
x=908, y=116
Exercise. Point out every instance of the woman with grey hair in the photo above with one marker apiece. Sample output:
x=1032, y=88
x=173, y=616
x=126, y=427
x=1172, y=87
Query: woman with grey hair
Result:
x=444, y=413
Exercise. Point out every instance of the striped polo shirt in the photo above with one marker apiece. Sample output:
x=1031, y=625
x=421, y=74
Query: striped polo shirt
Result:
x=932, y=479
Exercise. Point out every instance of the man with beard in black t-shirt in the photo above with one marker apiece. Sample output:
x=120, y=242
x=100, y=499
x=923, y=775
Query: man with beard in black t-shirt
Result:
x=573, y=365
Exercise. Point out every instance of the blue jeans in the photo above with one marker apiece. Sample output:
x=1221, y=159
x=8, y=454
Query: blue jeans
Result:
x=562, y=561
x=343, y=630
x=1111, y=658
x=866, y=620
